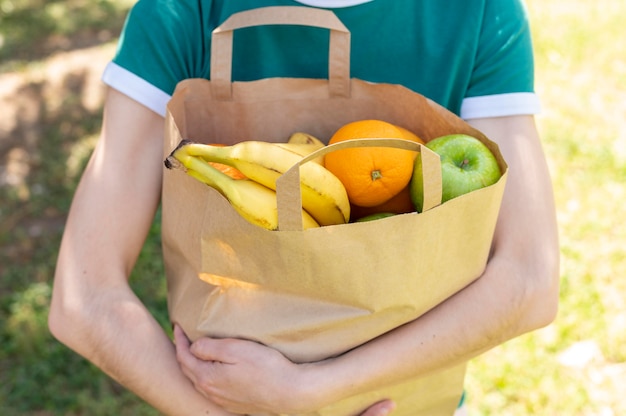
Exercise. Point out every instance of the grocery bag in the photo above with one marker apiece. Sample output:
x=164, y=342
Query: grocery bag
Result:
x=317, y=293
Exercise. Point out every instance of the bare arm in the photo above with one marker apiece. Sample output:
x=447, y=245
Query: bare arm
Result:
x=517, y=293
x=93, y=309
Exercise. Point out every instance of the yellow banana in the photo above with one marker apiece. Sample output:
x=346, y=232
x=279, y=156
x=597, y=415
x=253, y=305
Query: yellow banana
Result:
x=323, y=194
x=305, y=144
x=305, y=138
x=303, y=149
x=253, y=201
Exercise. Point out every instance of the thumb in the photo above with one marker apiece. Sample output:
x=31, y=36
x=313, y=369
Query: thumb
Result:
x=211, y=349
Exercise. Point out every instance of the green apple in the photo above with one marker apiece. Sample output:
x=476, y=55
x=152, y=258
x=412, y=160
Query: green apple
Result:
x=466, y=165
x=376, y=216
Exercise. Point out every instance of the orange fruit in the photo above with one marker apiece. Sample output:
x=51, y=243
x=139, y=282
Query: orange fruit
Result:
x=371, y=175
x=228, y=170
x=409, y=135
x=399, y=204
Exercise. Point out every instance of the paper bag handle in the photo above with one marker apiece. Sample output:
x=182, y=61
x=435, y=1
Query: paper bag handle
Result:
x=289, y=198
x=338, y=53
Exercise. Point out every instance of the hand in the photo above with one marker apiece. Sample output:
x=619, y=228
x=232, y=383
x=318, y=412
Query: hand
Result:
x=242, y=376
x=247, y=377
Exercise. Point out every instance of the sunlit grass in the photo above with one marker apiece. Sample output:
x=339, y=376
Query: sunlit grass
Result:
x=576, y=366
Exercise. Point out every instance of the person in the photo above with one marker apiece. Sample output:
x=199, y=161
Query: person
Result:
x=472, y=56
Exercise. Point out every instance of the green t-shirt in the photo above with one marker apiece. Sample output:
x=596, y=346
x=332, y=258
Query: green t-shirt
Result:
x=472, y=56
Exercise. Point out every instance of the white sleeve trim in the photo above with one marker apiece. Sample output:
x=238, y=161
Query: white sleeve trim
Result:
x=333, y=4
x=500, y=105
x=136, y=88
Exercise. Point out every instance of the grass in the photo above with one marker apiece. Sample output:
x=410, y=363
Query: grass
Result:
x=576, y=366
x=30, y=29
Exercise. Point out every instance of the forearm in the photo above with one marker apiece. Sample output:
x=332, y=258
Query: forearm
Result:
x=118, y=335
x=93, y=309
x=95, y=313
x=131, y=347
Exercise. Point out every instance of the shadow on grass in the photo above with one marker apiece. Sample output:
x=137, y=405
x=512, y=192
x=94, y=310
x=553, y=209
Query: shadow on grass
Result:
x=47, y=132
x=33, y=29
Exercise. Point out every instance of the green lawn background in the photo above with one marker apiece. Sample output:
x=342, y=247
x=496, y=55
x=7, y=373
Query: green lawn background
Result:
x=51, y=56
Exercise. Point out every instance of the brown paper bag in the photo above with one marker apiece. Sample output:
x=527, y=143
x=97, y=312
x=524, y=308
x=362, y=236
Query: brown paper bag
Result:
x=317, y=293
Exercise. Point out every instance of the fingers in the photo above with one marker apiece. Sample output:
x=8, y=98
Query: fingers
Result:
x=382, y=408
x=208, y=349
x=184, y=357
x=197, y=371
x=180, y=339
x=224, y=350
x=183, y=353
x=205, y=349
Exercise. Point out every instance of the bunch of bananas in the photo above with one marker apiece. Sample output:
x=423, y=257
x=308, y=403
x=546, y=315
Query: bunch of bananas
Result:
x=324, y=197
